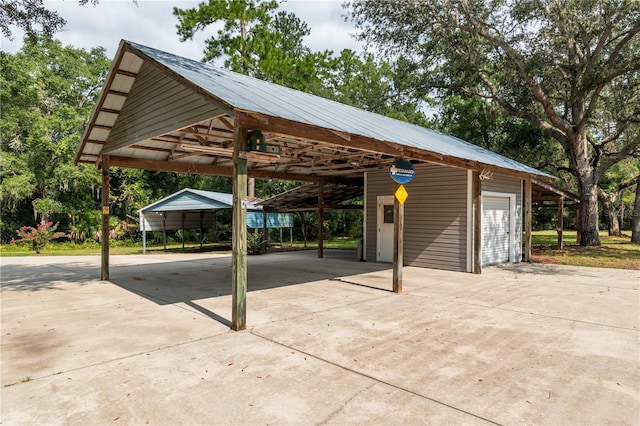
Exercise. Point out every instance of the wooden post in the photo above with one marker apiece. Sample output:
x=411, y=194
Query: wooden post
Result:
x=578, y=225
x=183, y=216
x=560, y=222
x=477, y=222
x=320, y=219
x=201, y=228
x=239, y=239
x=144, y=233
x=398, y=244
x=265, y=229
x=527, y=220
x=104, y=271
x=164, y=230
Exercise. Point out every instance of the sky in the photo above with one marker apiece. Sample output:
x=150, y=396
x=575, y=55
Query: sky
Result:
x=151, y=23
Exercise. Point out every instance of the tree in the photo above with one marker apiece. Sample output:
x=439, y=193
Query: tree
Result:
x=47, y=92
x=611, y=190
x=373, y=85
x=255, y=39
x=31, y=17
x=570, y=67
x=635, y=216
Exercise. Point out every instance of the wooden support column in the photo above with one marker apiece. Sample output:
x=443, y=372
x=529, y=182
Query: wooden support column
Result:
x=477, y=222
x=527, y=220
x=265, y=229
x=398, y=244
x=578, y=225
x=201, y=228
x=144, y=234
x=560, y=222
x=239, y=239
x=164, y=230
x=183, y=216
x=320, y=219
x=104, y=270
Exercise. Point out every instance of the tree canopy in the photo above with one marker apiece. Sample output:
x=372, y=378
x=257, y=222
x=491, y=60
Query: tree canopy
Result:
x=571, y=68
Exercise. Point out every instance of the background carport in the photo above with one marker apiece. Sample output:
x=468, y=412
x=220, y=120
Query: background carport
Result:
x=319, y=197
x=158, y=111
x=545, y=194
x=196, y=209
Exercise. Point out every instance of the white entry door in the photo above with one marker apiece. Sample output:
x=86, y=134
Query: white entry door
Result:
x=384, y=251
x=496, y=229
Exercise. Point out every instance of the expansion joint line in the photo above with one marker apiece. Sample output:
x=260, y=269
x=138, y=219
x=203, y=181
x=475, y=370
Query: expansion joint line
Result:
x=359, y=373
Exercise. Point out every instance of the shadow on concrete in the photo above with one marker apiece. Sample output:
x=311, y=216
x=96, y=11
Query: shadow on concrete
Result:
x=46, y=276
x=195, y=279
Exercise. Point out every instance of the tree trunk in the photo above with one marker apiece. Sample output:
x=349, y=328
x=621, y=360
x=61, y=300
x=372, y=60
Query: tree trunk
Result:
x=578, y=154
x=635, y=216
x=608, y=204
x=588, y=210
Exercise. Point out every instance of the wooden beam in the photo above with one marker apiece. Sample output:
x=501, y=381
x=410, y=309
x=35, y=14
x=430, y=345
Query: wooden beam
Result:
x=257, y=121
x=94, y=115
x=578, y=225
x=239, y=236
x=202, y=169
x=560, y=222
x=398, y=244
x=477, y=222
x=320, y=219
x=527, y=220
x=104, y=238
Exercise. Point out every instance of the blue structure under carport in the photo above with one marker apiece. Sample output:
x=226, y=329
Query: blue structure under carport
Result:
x=197, y=209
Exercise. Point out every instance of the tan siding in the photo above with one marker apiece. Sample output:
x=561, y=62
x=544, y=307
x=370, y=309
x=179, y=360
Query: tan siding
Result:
x=165, y=106
x=508, y=185
x=435, y=217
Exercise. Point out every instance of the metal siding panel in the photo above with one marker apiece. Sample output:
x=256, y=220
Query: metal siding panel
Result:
x=435, y=219
x=435, y=216
x=157, y=104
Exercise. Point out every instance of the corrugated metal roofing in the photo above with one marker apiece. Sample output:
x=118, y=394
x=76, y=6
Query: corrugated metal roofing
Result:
x=195, y=199
x=251, y=94
x=274, y=220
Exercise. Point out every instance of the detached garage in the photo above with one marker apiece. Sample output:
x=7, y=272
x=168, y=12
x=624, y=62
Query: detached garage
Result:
x=438, y=221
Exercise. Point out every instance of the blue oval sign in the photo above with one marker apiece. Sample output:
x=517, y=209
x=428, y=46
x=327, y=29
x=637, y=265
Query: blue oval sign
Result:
x=402, y=171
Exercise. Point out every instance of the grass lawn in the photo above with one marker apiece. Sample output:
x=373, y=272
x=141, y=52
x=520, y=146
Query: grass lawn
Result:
x=615, y=252
x=68, y=249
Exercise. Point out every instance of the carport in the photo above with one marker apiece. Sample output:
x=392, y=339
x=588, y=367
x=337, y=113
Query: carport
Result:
x=162, y=112
x=197, y=209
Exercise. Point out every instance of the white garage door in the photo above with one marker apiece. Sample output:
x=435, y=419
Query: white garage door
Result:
x=495, y=230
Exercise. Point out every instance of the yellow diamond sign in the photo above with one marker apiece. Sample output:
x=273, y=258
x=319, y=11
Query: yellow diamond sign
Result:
x=401, y=194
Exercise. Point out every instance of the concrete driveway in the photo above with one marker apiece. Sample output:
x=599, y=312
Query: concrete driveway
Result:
x=326, y=343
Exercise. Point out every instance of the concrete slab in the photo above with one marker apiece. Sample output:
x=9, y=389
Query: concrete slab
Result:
x=327, y=343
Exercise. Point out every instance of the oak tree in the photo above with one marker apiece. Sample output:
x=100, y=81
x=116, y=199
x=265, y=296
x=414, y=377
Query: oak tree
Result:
x=569, y=67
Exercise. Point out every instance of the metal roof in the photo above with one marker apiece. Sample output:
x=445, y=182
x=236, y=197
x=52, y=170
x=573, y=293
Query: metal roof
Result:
x=251, y=94
x=305, y=197
x=188, y=199
x=159, y=111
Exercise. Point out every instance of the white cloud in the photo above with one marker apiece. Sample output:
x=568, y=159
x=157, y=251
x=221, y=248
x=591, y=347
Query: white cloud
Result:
x=151, y=23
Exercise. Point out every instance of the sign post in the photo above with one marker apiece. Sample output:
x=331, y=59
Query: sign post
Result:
x=401, y=171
